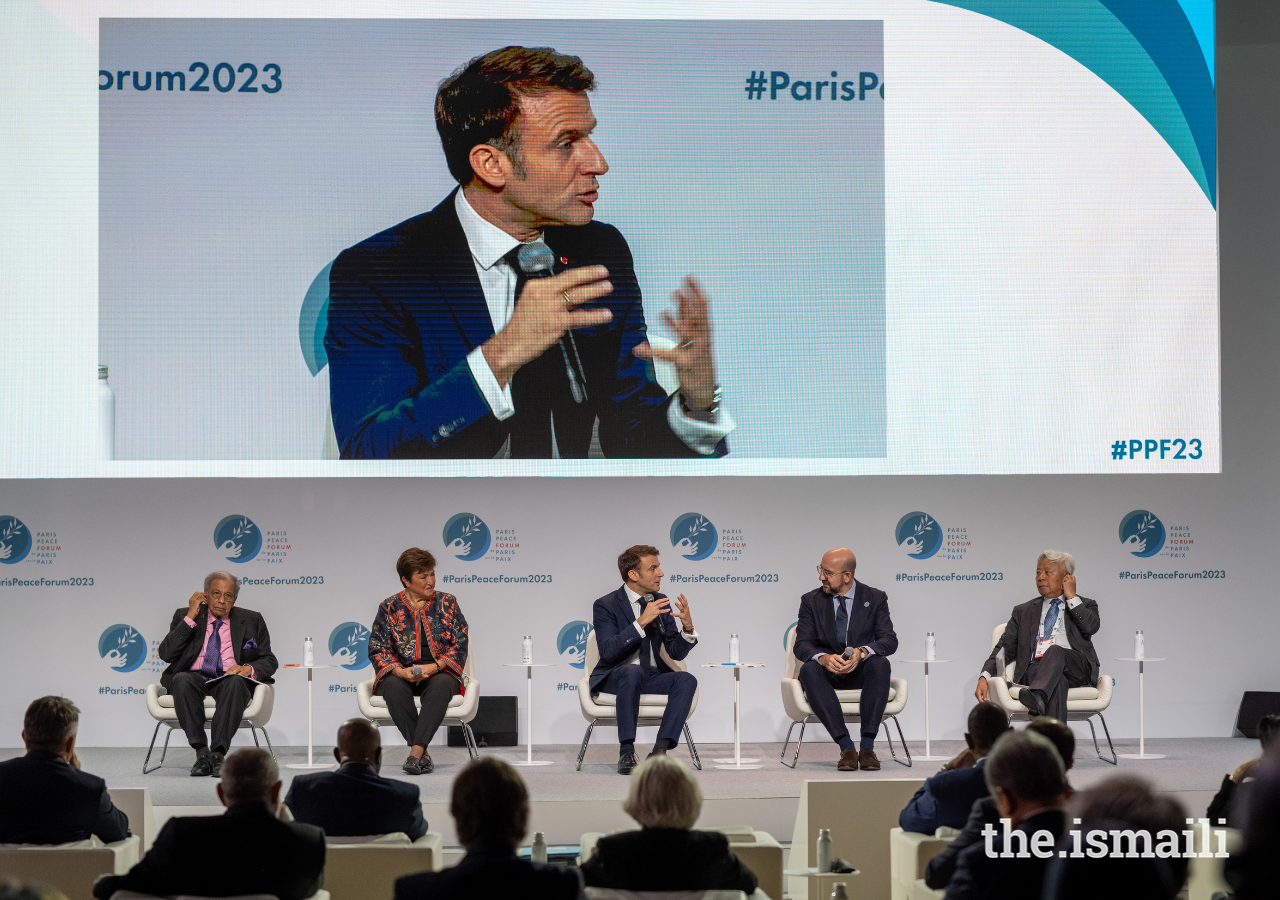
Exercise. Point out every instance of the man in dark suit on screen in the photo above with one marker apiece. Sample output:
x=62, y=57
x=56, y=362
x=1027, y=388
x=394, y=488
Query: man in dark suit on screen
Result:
x=846, y=615
x=1051, y=640
x=439, y=343
x=211, y=642
x=632, y=626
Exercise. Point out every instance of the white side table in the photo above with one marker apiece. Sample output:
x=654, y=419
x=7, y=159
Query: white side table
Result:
x=737, y=762
x=310, y=763
x=927, y=662
x=1142, y=738
x=529, y=667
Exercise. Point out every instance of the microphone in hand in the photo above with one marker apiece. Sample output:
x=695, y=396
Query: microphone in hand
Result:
x=537, y=260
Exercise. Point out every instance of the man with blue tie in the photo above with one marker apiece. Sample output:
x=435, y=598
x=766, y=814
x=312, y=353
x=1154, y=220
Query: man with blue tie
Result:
x=845, y=636
x=1051, y=639
x=632, y=625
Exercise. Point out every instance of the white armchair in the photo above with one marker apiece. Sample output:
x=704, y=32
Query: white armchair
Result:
x=160, y=705
x=801, y=713
x=356, y=868
x=71, y=868
x=1083, y=703
x=602, y=709
x=461, y=710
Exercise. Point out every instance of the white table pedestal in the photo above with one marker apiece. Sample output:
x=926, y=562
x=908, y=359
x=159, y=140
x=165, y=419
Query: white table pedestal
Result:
x=1142, y=738
x=310, y=763
x=927, y=749
x=529, y=667
x=737, y=762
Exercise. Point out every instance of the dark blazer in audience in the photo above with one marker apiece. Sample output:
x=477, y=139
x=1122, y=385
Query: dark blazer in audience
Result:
x=493, y=872
x=982, y=877
x=945, y=799
x=356, y=800
x=667, y=859
x=246, y=850
x=46, y=800
x=938, y=872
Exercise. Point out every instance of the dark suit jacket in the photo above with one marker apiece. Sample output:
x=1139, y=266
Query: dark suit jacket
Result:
x=250, y=643
x=493, y=872
x=45, y=800
x=937, y=874
x=617, y=638
x=945, y=799
x=1019, y=638
x=356, y=800
x=246, y=850
x=405, y=309
x=667, y=859
x=869, y=623
x=980, y=877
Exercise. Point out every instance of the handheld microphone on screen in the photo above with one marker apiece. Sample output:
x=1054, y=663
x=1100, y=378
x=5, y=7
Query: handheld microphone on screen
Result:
x=537, y=261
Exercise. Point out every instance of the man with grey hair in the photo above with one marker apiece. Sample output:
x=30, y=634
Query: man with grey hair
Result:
x=246, y=850
x=1051, y=640
x=214, y=649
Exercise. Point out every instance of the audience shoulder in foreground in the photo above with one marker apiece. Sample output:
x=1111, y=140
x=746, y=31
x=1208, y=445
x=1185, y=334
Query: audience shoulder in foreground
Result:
x=490, y=808
x=665, y=855
x=356, y=800
x=44, y=797
x=1230, y=800
x=246, y=850
x=1252, y=871
x=946, y=798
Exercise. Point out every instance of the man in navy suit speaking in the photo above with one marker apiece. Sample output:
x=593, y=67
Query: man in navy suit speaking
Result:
x=632, y=625
x=846, y=615
x=441, y=345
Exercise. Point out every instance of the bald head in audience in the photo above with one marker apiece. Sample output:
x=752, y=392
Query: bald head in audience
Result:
x=359, y=742
x=249, y=776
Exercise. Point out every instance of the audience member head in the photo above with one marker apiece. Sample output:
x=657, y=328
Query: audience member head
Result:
x=50, y=725
x=987, y=721
x=16, y=890
x=663, y=794
x=249, y=776
x=1059, y=734
x=1268, y=731
x=490, y=805
x=359, y=742
x=1024, y=774
x=1252, y=870
x=1126, y=816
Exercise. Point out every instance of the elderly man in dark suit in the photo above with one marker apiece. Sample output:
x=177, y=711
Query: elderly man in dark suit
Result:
x=1051, y=639
x=845, y=636
x=44, y=797
x=210, y=641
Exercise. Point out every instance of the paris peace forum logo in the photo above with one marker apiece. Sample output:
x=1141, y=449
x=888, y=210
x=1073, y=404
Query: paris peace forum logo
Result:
x=15, y=540
x=466, y=537
x=123, y=648
x=349, y=645
x=694, y=536
x=571, y=643
x=919, y=534
x=1141, y=533
x=237, y=538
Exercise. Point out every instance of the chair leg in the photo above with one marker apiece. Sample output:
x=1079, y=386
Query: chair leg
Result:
x=469, y=738
x=254, y=733
x=800, y=740
x=266, y=737
x=154, y=734
x=785, y=741
x=1113, y=760
x=693, y=748
x=889, y=740
x=585, y=739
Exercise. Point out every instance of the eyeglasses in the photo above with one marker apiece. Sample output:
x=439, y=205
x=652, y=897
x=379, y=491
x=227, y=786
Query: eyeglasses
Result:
x=827, y=574
x=218, y=595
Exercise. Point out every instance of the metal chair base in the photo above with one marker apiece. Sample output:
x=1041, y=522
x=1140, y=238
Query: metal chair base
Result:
x=888, y=736
x=586, y=739
x=1088, y=719
x=468, y=736
x=173, y=726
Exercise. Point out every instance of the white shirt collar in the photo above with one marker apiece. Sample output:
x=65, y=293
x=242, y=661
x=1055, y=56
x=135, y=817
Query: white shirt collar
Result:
x=632, y=595
x=853, y=589
x=487, y=241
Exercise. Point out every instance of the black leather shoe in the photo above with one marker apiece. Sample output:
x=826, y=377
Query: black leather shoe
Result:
x=215, y=763
x=627, y=761
x=426, y=765
x=412, y=767
x=204, y=763
x=656, y=752
x=1031, y=700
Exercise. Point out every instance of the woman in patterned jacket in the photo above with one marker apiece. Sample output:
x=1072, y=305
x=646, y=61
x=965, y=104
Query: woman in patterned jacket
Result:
x=418, y=645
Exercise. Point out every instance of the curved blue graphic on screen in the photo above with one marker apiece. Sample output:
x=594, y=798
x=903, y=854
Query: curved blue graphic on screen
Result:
x=571, y=643
x=313, y=322
x=123, y=647
x=15, y=540
x=694, y=537
x=349, y=645
x=466, y=537
x=919, y=534
x=1141, y=533
x=237, y=538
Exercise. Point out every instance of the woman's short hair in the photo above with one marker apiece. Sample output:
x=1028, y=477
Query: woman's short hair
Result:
x=663, y=794
x=490, y=804
x=1066, y=560
x=49, y=722
x=413, y=561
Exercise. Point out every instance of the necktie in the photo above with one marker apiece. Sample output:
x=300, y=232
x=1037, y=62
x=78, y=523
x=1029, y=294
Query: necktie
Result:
x=842, y=622
x=646, y=643
x=213, y=653
x=1050, y=620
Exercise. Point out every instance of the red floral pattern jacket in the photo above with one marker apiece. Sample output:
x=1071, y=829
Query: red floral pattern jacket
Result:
x=393, y=640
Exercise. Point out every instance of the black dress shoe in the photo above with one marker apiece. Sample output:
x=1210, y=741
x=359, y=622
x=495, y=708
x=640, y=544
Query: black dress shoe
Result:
x=204, y=763
x=426, y=765
x=1031, y=700
x=215, y=763
x=412, y=766
x=656, y=752
x=627, y=761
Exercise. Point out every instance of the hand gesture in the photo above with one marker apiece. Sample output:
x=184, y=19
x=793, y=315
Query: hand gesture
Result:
x=1245, y=770
x=1069, y=586
x=981, y=692
x=692, y=356
x=682, y=612
x=198, y=599
x=652, y=610
x=837, y=664
x=246, y=671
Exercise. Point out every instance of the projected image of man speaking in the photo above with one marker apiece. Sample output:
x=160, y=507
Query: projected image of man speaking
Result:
x=507, y=322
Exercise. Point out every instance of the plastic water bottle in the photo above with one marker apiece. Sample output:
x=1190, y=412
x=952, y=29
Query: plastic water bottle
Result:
x=930, y=647
x=308, y=652
x=106, y=417
x=735, y=649
x=838, y=891
x=824, y=850
x=1139, y=646
x=538, y=852
x=526, y=654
